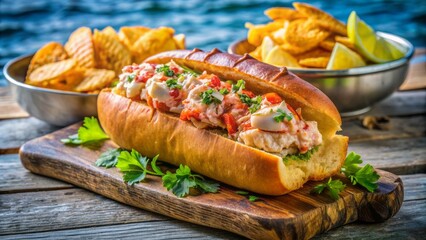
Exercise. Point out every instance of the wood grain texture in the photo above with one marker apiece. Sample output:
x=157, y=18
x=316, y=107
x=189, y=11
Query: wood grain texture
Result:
x=9, y=108
x=15, y=132
x=298, y=214
x=14, y=178
x=416, y=77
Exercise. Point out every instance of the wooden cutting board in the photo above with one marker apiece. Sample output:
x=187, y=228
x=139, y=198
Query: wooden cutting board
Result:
x=295, y=215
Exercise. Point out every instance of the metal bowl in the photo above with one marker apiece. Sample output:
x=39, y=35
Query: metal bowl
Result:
x=60, y=108
x=354, y=91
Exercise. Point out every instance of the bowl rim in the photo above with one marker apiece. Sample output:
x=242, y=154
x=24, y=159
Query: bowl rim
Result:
x=13, y=81
x=375, y=68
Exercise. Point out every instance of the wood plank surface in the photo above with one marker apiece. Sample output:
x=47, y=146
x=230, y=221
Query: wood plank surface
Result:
x=416, y=77
x=298, y=214
x=15, y=178
x=9, y=108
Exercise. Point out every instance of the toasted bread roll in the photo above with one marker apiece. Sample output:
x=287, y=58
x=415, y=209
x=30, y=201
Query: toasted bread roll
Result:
x=134, y=124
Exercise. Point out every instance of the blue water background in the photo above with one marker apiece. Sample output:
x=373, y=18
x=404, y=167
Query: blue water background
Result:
x=26, y=25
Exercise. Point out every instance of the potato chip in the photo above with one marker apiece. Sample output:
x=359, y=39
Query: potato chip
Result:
x=153, y=42
x=283, y=13
x=129, y=35
x=345, y=41
x=180, y=41
x=327, y=45
x=304, y=34
x=319, y=62
x=52, y=71
x=313, y=53
x=110, y=53
x=66, y=81
x=257, y=53
x=328, y=22
x=256, y=33
x=80, y=47
x=95, y=79
x=49, y=53
x=110, y=32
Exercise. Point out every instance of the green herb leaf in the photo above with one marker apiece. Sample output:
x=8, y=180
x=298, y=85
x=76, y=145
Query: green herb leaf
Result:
x=223, y=91
x=333, y=188
x=207, y=97
x=240, y=85
x=165, y=70
x=90, y=132
x=155, y=167
x=241, y=192
x=365, y=176
x=173, y=84
x=130, y=77
x=134, y=166
x=255, y=104
x=301, y=156
x=189, y=71
x=283, y=115
x=181, y=181
x=108, y=158
x=253, y=198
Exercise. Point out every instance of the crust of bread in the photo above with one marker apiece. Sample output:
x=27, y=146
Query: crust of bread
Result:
x=133, y=124
x=262, y=78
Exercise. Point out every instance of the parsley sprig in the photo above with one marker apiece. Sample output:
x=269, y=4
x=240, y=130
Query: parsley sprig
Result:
x=253, y=103
x=365, y=176
x=90, y=133
x=136, y=167
x=332, y=187
x=181, y=181
x=240, y=85
x=283, y=116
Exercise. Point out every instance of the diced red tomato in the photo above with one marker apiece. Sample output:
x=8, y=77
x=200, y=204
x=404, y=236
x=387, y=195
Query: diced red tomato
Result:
x=187, y=114
x=174, y=69
x=174, y=93
x=161, y=106
x=295, y=114
x=246, y=126
x=214, y=81
x=128, y=69
x=272, y=98
x=249, y=93
x=231, y=124
x=144, y=76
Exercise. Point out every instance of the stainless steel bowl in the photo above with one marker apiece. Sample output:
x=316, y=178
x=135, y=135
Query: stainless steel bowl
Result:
x=60, y=108
x=356, y=90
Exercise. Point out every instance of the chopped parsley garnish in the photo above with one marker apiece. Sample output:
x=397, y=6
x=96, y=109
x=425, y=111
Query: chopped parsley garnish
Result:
x=173, y=84
x=109, y=158
x=208, y=98
x=90, y=133
x=301, y=156
x=251, y=198
x=223, y=91
x=181, y=181
x=253, y=103
x=283, y=115
x=332, y=187
x=165, y=70
x=365, y=176
x=114, y=83
x=130, y=77
x=240, y=85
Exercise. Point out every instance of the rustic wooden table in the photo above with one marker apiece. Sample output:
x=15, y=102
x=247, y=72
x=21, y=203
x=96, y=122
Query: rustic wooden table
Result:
x=33, y=206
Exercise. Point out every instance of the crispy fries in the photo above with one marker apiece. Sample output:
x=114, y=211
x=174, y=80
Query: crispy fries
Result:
x=90, y=62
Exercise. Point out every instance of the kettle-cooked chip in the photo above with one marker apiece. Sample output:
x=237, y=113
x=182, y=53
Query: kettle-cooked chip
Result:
x=319, y=62
x=129, y=35
x=50, y=71
x=110, y=53
x=180, y=41
x=283, y=13
x=49, y=53
x=95, y=79
x=80, y=47
x=153, y=42
x=326, y=19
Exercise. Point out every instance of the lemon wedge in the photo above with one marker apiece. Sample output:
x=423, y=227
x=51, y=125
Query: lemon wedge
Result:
x=343, y=58
x=373, y=47
x=266, y=47
x=280, y=58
